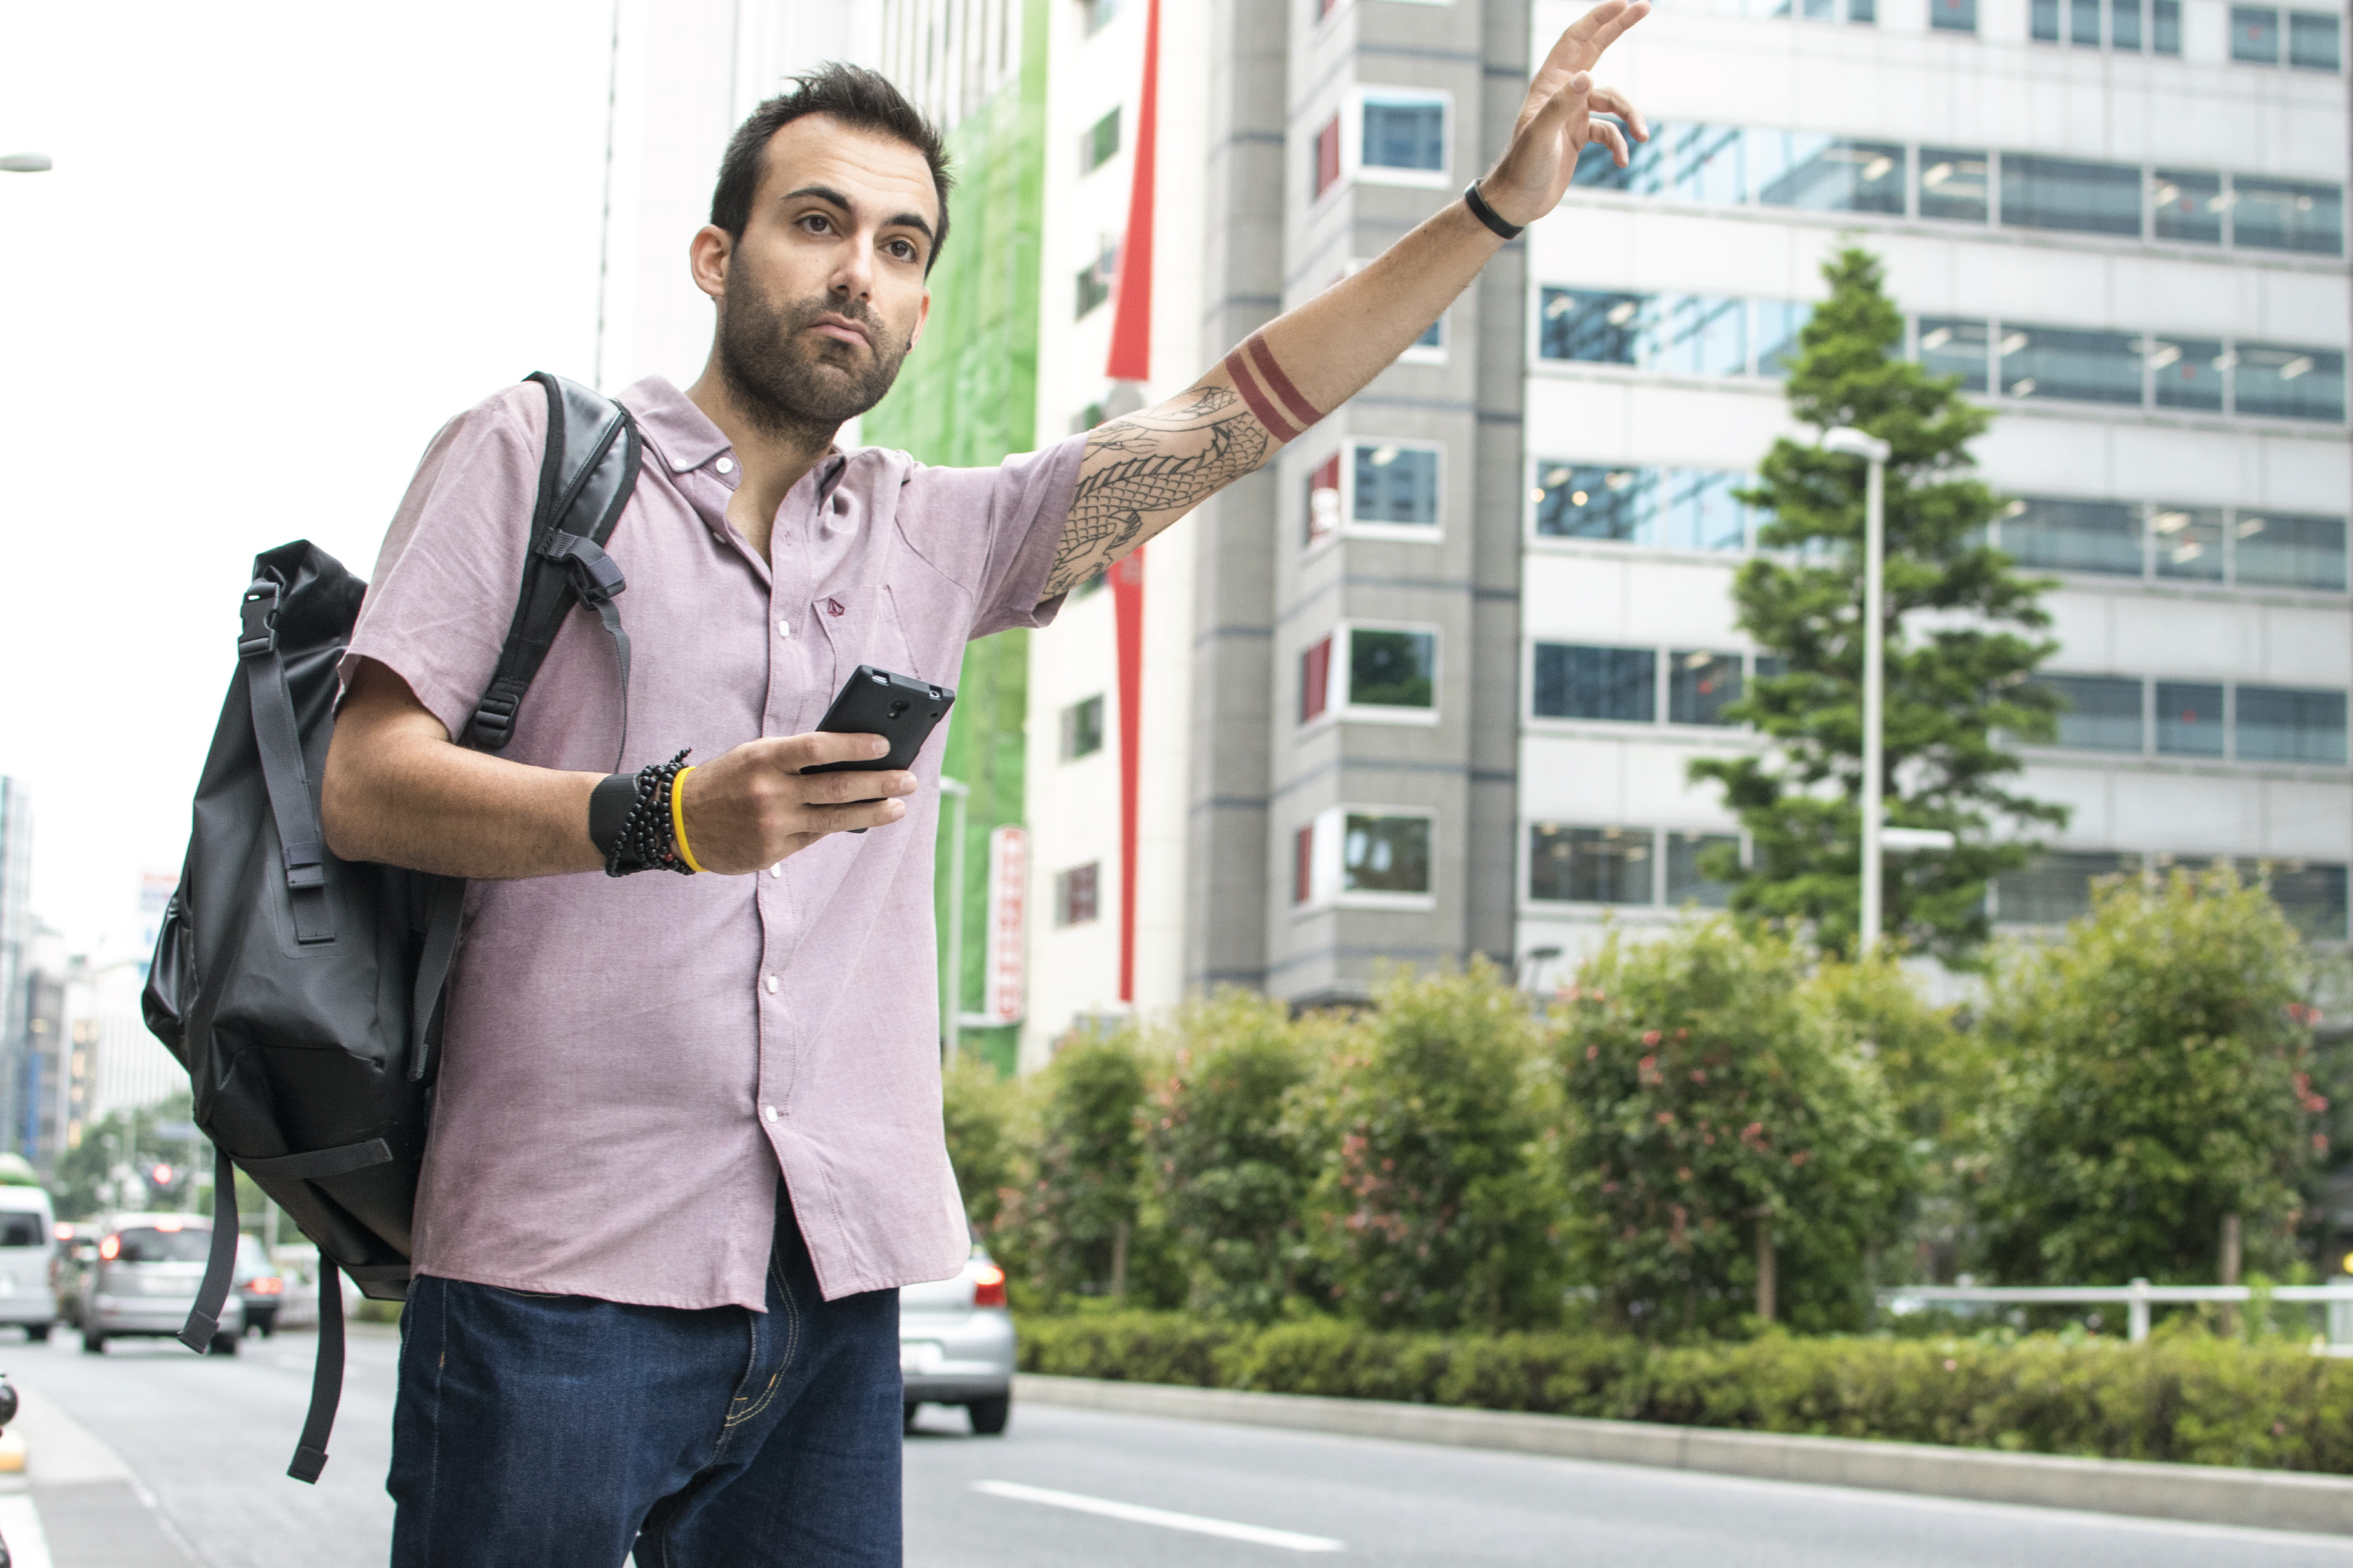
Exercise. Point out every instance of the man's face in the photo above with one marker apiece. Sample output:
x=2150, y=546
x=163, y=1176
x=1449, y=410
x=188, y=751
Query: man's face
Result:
x=823, y=296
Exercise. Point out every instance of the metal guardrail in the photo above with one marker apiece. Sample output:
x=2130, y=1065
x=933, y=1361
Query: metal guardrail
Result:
x=2137, y=1297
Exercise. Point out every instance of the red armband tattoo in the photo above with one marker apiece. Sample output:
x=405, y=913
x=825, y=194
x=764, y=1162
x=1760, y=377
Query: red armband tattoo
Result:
x=1272, y=398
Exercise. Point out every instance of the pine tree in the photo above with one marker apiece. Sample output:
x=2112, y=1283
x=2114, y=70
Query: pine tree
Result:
x=1957, y=681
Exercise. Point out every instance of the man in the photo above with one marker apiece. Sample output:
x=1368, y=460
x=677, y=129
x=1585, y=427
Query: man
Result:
x=687, y=1141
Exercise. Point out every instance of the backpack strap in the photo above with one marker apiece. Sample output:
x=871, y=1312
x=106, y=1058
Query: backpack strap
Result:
x=279, y=739
x=585, y=475
x=326, y=1377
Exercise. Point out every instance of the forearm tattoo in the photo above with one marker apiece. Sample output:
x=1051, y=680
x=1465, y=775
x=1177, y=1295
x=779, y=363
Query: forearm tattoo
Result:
x=1168, y=460
x=1142, y=464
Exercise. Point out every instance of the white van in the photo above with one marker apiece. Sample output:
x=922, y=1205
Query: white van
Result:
x=28, y=1228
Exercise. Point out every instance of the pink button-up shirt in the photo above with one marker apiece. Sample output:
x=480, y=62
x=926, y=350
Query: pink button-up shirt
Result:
x=627, y=1064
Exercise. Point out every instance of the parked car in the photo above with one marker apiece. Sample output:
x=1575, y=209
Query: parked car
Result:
x=28, y=1253
x=144, y=1279
x=955, y=1344
x=259, y=1286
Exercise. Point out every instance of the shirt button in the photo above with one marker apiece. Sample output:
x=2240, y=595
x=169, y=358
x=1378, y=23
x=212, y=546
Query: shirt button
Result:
x=778, y=869
x=783, y=628
x=725, y=464
x=771, y=984
x=768, y=1112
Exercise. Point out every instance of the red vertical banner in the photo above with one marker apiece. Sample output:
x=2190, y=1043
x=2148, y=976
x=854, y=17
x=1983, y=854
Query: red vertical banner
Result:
x=1008, y=891
x=1130, y=326
x=1127, y=619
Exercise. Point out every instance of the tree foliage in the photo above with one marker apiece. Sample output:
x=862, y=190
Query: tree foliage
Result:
x=1955, y=683
x=1711, y=1100
x=2159, y=1079
x=1227, y=1170
x=1436, y=1205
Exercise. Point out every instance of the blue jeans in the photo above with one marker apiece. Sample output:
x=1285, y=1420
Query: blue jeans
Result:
x=565, y=1431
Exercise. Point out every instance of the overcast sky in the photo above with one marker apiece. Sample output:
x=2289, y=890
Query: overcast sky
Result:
x=281, y=245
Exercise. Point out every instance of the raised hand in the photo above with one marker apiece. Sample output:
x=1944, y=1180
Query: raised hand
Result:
x=1556, y=119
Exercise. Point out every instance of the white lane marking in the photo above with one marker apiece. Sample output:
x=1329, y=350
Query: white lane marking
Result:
x=1136, y=1513
x=20, y=1523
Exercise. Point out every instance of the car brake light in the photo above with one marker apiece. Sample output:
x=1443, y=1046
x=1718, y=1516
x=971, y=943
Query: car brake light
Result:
x=111, y=1248
x=63, y=1232
x=168, y=1221
x=267, y=1285
x=987, y=1286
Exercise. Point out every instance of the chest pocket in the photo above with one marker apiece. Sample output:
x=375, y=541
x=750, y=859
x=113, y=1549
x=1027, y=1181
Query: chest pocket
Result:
x=861, y=627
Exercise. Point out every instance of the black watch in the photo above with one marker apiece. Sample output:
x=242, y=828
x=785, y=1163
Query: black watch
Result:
x=608, y=810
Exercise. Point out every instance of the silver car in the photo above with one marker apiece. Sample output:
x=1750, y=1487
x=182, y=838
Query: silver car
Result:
x=955, y=1344
x=144, y=1279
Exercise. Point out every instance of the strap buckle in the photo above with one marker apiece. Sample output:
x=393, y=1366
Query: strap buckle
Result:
x=595, y=576
x=306, y=865
x=259, y=611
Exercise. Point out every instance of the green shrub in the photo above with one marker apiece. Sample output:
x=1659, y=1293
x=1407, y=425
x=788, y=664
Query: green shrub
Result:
x=2184, y=1396
x=1228, y=1172
x=1710, y=1101
x=1438, y=1203
x=2160, y=1081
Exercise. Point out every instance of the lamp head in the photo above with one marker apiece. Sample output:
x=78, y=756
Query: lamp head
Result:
x=1849, y=442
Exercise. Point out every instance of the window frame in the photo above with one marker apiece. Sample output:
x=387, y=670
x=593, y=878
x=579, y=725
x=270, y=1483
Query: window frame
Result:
x=1348, y=526
x=1337, y=704
x=1326, y=834
x=1353, y=167
x=1063, y=886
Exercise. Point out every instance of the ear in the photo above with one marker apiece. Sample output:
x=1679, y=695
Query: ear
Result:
x=707, y=255
x=922, y=314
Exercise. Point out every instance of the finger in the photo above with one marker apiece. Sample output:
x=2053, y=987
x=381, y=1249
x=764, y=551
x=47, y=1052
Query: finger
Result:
x=1561, y=110
x=1606, y=131
x=822, y=746
x=1611, y=31
x=858, y=814
x=1571, y=50
x=1609, y=100
x=835, y=789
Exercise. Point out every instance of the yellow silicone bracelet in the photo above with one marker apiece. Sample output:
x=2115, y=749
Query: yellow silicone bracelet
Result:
x=677, y=819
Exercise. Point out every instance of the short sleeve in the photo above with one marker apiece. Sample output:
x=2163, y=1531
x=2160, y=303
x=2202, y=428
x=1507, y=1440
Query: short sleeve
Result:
x=443, y=594
x=995, y=530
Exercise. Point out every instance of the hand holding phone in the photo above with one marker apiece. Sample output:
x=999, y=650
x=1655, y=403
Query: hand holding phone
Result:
x=900, y=708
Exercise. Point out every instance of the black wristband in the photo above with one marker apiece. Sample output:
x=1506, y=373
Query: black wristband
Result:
x=643, y=841
x=1487, y=214
x=608, y=811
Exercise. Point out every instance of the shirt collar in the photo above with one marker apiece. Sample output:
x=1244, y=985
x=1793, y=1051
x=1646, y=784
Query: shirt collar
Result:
x=680, y=432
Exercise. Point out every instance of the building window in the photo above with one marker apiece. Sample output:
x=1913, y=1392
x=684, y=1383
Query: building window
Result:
x=2069, y=195
x=2288, y=383
x=1590, y=326
x=1699, y=685
x=2100, y=714
x=2165, y=26
x=1824, y=173
x=1327, y=157
x=2055, y=362
x=1682, y=334
x=1405, y=132
x=1952, y=15
x=1396, y=485
x=1303, y=865
x=1324, y=501
x=1956, y=184
x=1392, y=669
x=1673, y=508
x=1074, y=894
x=1095, y=281
x=1590, y=865
x=2255, y=35
x=1686, y=882
x=2278, y=724
x=2044, y=534
x=2281, y=549
x=2187, y=543
x=1083, y=729
x=1315, y=680
x=1616, y=684
x=2311, y=41
x=1385, y=854
x=2187, y=372
x=2311, y=895
x=1100, y=14
x=2056, y=888
x=2277, y=215
x=1100, y=144
x=2187, y=207
x=2189, y=719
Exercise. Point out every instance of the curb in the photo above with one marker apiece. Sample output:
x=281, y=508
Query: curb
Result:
x=2208, y=1494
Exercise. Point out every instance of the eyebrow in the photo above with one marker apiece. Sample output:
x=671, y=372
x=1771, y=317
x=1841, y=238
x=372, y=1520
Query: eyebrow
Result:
x=828, y=194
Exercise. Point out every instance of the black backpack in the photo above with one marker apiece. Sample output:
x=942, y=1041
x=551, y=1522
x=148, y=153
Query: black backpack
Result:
x=301, y=991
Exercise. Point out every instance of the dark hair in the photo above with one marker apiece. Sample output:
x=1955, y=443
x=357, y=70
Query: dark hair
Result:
x=853, y=95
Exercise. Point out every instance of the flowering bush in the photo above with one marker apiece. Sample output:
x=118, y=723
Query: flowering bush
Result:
x=1709, y=1101
x=2159, y=1079
x=1437, y=1200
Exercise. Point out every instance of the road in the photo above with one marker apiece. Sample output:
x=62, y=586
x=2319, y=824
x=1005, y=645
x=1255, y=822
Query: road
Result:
x=150, y=1457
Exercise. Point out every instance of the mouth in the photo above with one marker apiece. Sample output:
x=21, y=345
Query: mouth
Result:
x=840, y=329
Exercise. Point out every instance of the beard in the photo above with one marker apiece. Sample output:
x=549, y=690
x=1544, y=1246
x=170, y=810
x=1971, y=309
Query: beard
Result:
x=792, y=382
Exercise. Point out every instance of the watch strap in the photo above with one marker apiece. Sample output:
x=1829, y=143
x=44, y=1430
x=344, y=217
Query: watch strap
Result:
x=608, y=810
x=1487, y=214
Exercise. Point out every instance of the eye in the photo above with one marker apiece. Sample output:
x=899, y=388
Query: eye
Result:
x=816, y=223
x=904, y=249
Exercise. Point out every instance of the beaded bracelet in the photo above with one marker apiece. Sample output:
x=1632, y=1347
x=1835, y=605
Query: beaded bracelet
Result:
x=644, y=842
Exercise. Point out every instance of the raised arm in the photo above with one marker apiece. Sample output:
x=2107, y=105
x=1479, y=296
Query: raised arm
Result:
x=1145, y=470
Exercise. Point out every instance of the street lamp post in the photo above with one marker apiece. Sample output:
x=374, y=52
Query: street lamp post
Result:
x=23, y=163
x=1848, y=441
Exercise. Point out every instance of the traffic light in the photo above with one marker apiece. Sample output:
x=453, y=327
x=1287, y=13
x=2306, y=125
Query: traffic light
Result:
x=161, y=1182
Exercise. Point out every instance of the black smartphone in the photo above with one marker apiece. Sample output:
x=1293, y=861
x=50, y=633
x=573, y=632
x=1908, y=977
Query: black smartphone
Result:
x=900, y=708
